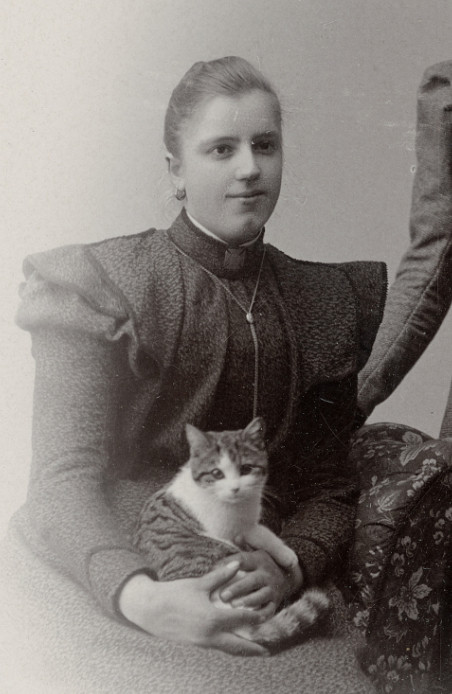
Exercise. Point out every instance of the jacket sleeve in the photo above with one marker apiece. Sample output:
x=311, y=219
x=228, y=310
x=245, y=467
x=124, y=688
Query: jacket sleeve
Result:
x=83, y=340
x=422, y=291
x=325, y=490
x=324, y=486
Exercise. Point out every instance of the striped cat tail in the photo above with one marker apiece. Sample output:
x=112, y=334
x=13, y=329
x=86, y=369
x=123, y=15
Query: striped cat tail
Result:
x=293, y=620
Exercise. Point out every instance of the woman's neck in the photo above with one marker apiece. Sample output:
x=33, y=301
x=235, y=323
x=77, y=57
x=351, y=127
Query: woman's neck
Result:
x=212, y=253
x=214, y=236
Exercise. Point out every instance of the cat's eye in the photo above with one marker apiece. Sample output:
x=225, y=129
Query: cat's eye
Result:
x=246, y=469
x=217, y=474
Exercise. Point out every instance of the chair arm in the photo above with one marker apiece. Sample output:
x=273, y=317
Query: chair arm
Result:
x=396, y=466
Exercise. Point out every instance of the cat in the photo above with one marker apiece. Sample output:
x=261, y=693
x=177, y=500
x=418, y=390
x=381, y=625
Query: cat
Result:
x=193, y=523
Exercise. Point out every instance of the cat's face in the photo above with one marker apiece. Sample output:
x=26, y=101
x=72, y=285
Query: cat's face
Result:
x=231, y=465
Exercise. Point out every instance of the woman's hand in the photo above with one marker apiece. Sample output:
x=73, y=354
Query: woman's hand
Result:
x=264, y=582
x=181, y=610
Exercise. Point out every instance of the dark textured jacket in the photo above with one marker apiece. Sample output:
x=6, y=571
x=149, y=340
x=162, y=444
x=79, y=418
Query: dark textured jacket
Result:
x=132, y=340
x=422, y=291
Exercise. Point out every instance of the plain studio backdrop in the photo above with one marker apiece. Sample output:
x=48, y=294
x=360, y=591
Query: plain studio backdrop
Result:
x=87, y=84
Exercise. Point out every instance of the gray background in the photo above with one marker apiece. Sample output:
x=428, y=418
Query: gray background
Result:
x=87, y=84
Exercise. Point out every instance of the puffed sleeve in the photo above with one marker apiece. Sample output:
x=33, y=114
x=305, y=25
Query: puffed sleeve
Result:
x=84, y=343
x=422, y=291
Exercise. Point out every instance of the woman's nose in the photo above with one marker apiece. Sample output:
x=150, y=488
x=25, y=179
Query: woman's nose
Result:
x=247, y=166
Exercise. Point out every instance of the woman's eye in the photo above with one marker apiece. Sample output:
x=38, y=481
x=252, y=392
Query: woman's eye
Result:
x=221, y=150
x=246, y=469
x=264, y=146
x=217, y=474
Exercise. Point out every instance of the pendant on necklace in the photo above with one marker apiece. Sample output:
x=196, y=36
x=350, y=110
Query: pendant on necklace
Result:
x=250, y=318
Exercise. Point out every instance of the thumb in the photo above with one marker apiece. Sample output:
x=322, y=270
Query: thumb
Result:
x=214, y=579
x=235, y=645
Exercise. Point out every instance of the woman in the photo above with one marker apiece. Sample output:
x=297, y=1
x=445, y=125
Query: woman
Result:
x=202, y=323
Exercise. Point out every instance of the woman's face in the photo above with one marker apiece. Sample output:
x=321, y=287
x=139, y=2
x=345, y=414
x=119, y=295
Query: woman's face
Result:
x=230, y=164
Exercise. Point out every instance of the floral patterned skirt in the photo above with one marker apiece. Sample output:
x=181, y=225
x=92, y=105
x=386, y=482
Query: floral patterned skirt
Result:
x=401, y=563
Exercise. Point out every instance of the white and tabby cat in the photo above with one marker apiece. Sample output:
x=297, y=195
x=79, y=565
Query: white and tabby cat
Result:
x=186, y=528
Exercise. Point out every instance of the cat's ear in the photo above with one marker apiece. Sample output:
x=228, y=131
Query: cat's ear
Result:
x=255, y=432
x=195, y=437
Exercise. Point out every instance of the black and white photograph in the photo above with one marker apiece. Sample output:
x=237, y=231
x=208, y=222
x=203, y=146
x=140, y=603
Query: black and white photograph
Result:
x=226, y=357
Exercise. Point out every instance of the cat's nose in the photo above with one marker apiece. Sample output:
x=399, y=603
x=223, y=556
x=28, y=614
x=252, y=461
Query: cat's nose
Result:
x=235, y=489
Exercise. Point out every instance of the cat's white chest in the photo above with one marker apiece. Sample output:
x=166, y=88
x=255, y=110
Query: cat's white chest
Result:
x=227, y=521
x=219, y=519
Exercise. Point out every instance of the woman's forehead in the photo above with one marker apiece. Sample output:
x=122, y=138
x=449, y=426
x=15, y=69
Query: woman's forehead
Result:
x=250, y=114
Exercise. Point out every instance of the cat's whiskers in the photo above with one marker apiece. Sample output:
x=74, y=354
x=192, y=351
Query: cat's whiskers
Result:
x=269, y=494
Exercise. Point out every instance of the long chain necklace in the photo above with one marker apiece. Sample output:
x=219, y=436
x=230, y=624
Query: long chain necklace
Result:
x=248, y=315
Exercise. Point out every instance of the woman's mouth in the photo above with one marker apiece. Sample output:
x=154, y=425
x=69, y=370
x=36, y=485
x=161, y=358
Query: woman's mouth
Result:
x=247, y=196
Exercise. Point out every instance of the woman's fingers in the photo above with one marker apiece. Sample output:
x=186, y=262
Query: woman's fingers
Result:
x=254, y=600
x=248, y=560
x=258, y=570
x=235, y=645
x=250, y=583
x=219, y=576
x=230, y=619
x=268, y=610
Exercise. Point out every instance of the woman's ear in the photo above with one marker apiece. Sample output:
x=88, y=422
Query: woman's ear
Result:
x=175, y=171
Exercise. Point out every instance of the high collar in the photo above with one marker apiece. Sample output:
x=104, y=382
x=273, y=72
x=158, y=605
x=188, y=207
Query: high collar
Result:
x=213, y=254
